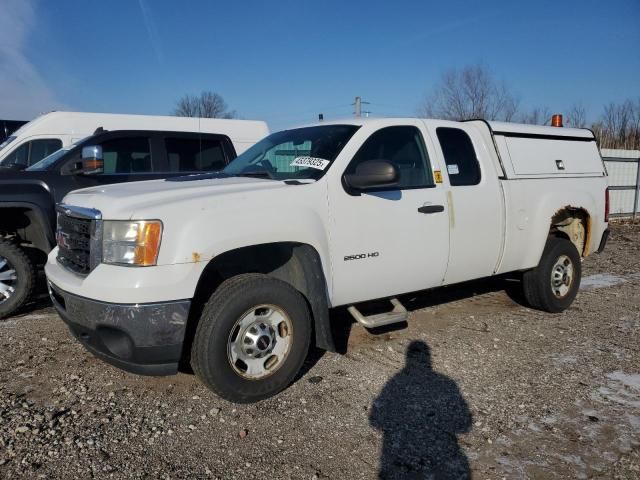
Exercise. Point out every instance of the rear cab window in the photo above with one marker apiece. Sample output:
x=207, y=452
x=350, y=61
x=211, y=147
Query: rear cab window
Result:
x=204, y=153
x=460, y=157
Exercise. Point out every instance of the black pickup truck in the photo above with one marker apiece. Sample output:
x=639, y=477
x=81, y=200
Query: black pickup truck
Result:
x=28, y=197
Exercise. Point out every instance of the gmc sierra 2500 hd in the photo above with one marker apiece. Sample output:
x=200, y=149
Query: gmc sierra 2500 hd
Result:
x=236, y=271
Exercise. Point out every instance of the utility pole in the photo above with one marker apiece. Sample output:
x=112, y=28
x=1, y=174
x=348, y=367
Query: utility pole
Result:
x=358, y=104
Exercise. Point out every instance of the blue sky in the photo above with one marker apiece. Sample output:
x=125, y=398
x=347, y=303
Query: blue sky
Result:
x=286, y=61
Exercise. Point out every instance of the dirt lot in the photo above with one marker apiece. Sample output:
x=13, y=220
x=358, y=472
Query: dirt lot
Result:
x=474, y=383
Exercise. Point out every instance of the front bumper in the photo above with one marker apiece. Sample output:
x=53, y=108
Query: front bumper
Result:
x=142, y=338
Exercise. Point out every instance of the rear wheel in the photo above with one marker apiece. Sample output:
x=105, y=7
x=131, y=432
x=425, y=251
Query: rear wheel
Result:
x=553, y=284
x=252, y=338
x=17, y=278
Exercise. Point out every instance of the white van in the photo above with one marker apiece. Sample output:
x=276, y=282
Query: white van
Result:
x=52, y=131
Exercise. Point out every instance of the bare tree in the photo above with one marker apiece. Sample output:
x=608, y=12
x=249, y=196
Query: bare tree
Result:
x=536, y=116
x=619, y=125
x=470, y=92
x=577, y=116
x=206, y=105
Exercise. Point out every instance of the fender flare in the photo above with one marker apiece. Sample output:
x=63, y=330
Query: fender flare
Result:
x=309, y=279
x=44, y=238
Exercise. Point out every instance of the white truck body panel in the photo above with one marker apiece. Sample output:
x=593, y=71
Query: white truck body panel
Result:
x=530, y=157
x=386, y=223
x=497, y=226
x=69, y=127
x=476, y=213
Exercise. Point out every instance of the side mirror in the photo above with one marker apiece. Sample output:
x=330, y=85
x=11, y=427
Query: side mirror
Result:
x=372, y=174
x=92, y=160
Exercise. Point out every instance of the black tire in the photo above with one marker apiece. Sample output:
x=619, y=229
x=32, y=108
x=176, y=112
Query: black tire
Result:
x=538, y=287
x=233, y=298
x=16, y=259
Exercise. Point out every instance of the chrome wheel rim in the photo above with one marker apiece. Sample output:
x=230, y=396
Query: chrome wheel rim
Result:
x=8, y=280
x=562, y=276
x=260, y=341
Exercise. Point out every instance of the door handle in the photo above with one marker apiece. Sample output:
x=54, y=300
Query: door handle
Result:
x=431, y=209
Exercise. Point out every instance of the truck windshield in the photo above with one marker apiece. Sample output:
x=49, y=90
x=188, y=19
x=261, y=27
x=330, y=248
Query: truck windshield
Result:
x=49, y=160
x=301, y=153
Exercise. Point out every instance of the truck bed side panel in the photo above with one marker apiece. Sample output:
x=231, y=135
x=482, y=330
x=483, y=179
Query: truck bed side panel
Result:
x=531, y=204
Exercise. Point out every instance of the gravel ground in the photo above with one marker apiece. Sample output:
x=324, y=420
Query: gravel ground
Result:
x=475, y=383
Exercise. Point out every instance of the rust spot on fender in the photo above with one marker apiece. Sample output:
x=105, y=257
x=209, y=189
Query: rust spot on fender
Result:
x=567, y=219
x=587, y=241
x=452, y=218
x=196, y=257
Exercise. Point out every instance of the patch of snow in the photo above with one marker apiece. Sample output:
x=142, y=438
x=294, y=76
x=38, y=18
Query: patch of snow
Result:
x=623, y=388
x=601, y=280
x=630, y=380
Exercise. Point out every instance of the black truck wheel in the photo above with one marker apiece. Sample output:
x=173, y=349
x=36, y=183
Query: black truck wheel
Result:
x=553, y=284
x=252, y=338
x=17, y=278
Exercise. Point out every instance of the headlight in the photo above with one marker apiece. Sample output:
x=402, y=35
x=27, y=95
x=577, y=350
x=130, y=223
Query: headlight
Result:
x=131, y=243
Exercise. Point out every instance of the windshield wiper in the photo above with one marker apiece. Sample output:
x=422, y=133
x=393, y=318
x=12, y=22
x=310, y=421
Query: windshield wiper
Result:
x=13, y=166
x=263, y=174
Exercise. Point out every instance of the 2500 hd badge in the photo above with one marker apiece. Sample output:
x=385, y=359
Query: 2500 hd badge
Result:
x=361, y=256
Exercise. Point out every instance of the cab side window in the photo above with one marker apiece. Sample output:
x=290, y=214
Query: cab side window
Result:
x=32, y=152
x=459, y=155
x=43, y=148
x=403, y=146
x=195, y=154
x=127, y=155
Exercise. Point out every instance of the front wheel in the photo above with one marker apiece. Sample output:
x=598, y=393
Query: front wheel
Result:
x=252, y=338
x=17, y=278
x=553, y=284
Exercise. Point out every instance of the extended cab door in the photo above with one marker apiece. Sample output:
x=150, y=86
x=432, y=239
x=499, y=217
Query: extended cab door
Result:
x=394, y=240
x=474, y=200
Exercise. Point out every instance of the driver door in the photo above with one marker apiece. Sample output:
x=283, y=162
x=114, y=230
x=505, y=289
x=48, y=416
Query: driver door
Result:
x=392, y=240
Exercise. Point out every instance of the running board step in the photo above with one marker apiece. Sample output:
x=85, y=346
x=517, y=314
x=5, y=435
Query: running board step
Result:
x=397, y=315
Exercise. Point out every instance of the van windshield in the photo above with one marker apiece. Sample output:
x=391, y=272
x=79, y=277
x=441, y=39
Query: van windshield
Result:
x=301, y=153
x=7, y=141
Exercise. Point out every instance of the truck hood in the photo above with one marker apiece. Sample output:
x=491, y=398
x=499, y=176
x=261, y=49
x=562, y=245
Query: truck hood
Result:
x=136, y=199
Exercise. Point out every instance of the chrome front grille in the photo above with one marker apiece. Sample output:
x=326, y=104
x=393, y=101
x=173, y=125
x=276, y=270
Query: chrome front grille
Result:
x=79, y=238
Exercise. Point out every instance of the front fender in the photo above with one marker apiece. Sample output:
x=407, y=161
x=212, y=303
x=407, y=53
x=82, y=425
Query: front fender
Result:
x=202, y=234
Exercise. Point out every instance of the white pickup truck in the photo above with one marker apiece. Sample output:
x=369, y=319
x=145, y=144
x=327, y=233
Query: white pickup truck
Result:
x=235, y=272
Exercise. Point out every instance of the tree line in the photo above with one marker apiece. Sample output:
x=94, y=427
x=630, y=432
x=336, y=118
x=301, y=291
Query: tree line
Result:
x=473, y=92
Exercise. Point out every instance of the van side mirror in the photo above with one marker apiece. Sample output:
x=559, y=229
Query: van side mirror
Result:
x=372, y=174
x=92, y=160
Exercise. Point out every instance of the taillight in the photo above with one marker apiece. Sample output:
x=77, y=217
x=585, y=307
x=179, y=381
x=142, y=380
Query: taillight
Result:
x=606, y=204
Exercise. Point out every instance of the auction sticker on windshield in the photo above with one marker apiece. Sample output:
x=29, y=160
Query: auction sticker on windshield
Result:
x=313, y=162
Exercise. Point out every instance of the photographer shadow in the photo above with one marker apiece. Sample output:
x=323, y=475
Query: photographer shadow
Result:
x=420, y=412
